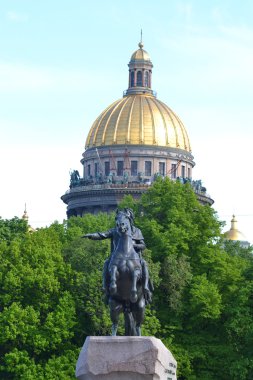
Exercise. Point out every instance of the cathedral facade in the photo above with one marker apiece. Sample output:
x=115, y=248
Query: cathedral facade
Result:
x=134, y=140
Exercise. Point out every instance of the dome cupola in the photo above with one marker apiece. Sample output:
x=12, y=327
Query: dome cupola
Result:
x=139, y=118
x=140, y=72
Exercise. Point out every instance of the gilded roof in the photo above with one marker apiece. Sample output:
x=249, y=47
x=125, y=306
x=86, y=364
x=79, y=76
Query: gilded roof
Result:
x=234, y=233
x=140, y=55
x=138, y=119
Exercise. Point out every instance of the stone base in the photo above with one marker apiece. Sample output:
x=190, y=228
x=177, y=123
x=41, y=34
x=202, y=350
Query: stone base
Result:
x=125, y=358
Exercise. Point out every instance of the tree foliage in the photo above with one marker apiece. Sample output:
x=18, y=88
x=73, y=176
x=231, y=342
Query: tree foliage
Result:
x=204, y=299
x=51, y=298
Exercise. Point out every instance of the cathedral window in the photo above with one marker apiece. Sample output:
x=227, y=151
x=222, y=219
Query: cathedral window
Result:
x=134, y=168
x=162, y=168
x=148, y=165
x=132, y=79
x=120, y=168
x=88, y=170
x=96, y=169
x=183, y=171
x=173, y=171
x=139, y=78
x=146, y=79
x=107, y=168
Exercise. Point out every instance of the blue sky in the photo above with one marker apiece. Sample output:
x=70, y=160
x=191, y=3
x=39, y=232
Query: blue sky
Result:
x=63, y=62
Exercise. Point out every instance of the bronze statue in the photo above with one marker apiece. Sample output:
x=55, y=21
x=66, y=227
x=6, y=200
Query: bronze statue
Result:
x=125, y=275
x=74, y=178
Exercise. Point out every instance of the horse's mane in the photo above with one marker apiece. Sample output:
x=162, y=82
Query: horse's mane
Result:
x=128, y=213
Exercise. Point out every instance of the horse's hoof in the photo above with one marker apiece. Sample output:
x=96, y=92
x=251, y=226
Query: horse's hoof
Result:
x=133, y=297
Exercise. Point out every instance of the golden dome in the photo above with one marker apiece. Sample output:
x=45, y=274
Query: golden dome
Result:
x=138, y=119
x=25, y=215
x=26, y=218
x=140, y=55
x=234, y=233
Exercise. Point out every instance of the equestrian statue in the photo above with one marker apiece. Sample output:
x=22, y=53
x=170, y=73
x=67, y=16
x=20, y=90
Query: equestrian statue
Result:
x=126, y=281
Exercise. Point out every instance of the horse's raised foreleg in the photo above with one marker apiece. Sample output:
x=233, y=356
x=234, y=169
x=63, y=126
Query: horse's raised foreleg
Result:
x=115, y=309
x=113, y=276
x=135, y=277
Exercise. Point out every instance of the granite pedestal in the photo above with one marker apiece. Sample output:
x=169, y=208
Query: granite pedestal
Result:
x=125, y=358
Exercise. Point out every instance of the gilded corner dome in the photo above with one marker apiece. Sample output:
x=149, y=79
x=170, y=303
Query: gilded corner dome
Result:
x=139, y=119
x=234, y=233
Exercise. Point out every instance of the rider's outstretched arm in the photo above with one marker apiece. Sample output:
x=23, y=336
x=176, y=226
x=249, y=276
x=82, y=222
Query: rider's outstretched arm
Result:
x=99, y=235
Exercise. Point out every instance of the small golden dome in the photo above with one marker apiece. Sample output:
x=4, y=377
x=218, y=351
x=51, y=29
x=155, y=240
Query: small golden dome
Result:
x=138, y=119
x=26, y=218
x=234, y=233
x=140, y=55
x=25, y=215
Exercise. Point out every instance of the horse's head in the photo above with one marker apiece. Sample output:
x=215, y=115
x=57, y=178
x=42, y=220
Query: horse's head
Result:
x=123, y=223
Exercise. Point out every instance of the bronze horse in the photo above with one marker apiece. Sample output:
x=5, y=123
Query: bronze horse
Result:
x=125, y=280
x=125, y=276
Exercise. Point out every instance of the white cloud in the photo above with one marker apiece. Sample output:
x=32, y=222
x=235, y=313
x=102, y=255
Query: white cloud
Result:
x=36, y=175
x=223, y=163
x=16, y=16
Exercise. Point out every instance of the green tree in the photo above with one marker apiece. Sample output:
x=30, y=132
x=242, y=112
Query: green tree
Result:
x=204, y=299
x=37, y=309
x=11, y=228
x=51, y=299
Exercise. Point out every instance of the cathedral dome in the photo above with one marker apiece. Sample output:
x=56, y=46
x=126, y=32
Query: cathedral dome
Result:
x=138, y=119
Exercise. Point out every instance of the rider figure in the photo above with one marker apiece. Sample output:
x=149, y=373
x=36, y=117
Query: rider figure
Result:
x=139, y=246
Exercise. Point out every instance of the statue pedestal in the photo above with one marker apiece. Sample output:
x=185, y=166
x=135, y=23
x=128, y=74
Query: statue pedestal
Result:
x=125, y=358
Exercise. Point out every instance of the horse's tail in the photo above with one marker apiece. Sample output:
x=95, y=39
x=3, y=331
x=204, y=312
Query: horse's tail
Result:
x=130, y=325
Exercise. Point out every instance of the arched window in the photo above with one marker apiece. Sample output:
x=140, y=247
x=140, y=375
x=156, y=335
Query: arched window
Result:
x=139, y=78
x=146, y=84
x=132, y=79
